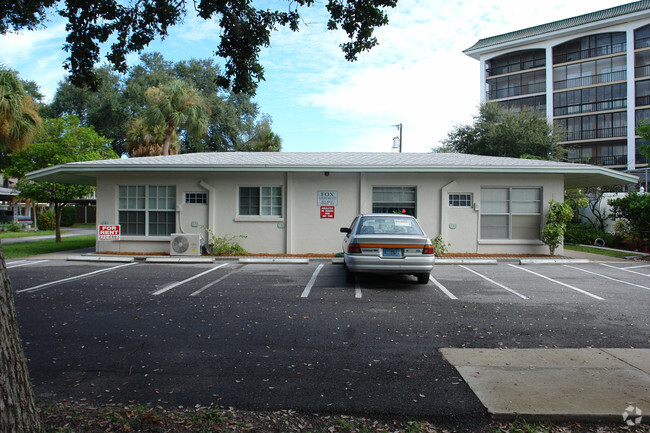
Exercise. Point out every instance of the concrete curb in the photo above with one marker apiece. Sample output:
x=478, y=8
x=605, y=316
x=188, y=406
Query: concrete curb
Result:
x=551, y=261
x=101, y=259
x=274, y=260
x=466, y=261
x=179, y=260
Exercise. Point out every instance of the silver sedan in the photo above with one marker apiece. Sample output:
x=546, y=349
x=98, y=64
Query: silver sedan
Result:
x=387, y=243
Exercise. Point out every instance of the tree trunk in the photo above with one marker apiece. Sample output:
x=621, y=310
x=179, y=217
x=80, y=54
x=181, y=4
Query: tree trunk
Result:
x=58, y=211
x=168, y=139
x=17, y=407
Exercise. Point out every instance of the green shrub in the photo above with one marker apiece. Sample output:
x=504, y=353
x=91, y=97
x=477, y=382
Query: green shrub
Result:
x=224, y=245
x=439, y=245
x=68, y=216
x=47, y=221
x=11, y=226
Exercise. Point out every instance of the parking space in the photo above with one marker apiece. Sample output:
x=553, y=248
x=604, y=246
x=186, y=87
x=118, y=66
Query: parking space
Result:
x=503, y=283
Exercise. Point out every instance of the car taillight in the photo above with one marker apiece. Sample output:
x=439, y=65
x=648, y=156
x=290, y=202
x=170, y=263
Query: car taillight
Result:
x=354, y=249
x=428, y=249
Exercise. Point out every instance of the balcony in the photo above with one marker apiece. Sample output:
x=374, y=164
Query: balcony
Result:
x=518, y=90
x=589, y=80
x=601, y=160
x=641, y=43
x=592, y=134
x=588, y=53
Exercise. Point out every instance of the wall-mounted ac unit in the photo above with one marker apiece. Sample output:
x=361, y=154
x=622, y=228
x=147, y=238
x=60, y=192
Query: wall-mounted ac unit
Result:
x=185, y=244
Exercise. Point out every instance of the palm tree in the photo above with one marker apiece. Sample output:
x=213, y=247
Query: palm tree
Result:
x=178, y=106
x=19, y=119
x=144, y=140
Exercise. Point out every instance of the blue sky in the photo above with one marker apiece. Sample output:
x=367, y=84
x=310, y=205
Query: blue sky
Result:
x=417, y=76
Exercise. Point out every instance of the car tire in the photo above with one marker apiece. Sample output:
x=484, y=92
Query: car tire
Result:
x=422, y=278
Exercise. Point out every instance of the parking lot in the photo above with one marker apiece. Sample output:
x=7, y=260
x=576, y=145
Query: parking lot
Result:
x=268, y=336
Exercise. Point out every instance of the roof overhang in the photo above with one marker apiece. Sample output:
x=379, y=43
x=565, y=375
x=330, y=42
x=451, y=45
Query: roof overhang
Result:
x=575, y=175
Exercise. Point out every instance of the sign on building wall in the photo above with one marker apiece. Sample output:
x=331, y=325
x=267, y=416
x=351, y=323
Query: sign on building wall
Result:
x=108, y=233
x=327, y=200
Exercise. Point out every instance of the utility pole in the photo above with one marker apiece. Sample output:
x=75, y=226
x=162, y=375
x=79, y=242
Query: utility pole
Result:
x=399, y=127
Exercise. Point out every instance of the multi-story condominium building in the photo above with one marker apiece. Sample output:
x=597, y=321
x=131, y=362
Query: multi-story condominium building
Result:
x=589, y=74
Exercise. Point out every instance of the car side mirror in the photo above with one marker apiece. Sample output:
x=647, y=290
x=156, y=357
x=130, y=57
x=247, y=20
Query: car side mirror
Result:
x=345, y=230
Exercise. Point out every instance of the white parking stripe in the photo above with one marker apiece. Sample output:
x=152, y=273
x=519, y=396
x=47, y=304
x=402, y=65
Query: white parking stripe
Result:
x=626, y=269
x=608, y=277
x=357, y=290
x=78, y=277
x=637, y=266
x=558, y=282
x=442, y=288
x=311, y=282
x=178, y=283
x=494, y=282
x=207, y=286
x=20, y=263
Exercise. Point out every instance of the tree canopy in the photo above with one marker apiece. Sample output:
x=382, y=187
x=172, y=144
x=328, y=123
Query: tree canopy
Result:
x=132, y=25
x=117, y=106
x=643, y=129
x=61, y=141
x=498, y=132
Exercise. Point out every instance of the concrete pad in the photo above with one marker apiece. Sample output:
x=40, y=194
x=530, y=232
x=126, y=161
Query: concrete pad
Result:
x=179, y=260
x=274, y=260
x=556, y=384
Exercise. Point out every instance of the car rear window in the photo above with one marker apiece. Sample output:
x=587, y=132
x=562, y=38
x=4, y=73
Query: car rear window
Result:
x=389, y=225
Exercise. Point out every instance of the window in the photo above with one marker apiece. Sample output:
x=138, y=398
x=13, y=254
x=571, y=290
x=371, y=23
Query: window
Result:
x=147, y=210
x=196, y=198
x=260, y=201
x=511, y=213
x=394, y=199
x=460, y=200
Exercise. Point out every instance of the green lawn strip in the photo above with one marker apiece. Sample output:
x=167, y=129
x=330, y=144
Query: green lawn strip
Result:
x=602, y=252
x=28, y=233
x=26, y=249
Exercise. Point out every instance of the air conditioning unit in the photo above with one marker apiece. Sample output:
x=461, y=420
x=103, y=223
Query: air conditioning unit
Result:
x=185, y=244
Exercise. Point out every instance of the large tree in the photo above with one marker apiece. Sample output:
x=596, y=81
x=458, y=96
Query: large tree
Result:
x=132, y=25
x=19, y=122
x=643, y=129
x=499, y=132
x=178, y=107
x=61, y=141
x=234, y=117
x=19, y=118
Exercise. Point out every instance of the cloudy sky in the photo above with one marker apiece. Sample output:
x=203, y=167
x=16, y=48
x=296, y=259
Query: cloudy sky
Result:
x=417, y=76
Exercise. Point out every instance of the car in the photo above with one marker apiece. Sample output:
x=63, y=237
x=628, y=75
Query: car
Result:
x=387, y=243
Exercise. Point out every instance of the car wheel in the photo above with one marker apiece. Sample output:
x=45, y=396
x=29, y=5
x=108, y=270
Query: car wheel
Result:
x=422, y=278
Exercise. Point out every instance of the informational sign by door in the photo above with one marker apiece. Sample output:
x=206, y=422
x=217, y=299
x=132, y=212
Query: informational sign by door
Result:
x=327, y=201
x=326, y=212
x=108, y=233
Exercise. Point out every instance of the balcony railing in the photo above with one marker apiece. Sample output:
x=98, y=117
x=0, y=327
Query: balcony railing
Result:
x=642, y=43
x=592, y=107
x=642, y=100
x=519, y=90
x=642, y=71
x=589, y=80
x=588, y=53
x=601, y=160
x=591, y=134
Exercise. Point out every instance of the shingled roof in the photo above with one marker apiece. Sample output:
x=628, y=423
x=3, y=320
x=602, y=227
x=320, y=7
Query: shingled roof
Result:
x=568, y=23
x=357, y=162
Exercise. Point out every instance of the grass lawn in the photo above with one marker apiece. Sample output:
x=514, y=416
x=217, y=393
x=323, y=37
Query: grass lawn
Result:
x=26, y=249
x=27, y=233
x=602, y=252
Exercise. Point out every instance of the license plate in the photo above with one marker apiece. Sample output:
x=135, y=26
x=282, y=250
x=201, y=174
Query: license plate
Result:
x=391, y=252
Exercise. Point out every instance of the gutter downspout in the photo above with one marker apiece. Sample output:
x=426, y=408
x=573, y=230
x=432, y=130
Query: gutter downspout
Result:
x=443, y=208
x=212, y=195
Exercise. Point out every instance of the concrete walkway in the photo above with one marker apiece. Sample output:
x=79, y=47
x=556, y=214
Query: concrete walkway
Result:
x=558, y=384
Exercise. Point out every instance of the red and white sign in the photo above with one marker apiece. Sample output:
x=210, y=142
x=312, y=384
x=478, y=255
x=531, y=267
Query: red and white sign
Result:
x=108, y=233
x=327, y=212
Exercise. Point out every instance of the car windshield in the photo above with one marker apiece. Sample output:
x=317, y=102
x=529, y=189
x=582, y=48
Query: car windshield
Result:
x=390, y=225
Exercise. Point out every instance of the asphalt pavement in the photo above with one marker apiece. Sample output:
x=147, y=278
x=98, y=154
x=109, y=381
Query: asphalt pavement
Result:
x=562, y=384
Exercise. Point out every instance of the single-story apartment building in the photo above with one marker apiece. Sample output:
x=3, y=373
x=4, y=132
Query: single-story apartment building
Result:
x=296, y=202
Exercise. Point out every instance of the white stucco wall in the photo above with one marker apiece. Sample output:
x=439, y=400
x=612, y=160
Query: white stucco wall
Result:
x=301, y=229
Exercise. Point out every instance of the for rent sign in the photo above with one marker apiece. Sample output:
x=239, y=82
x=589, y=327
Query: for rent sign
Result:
x=108, y=233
